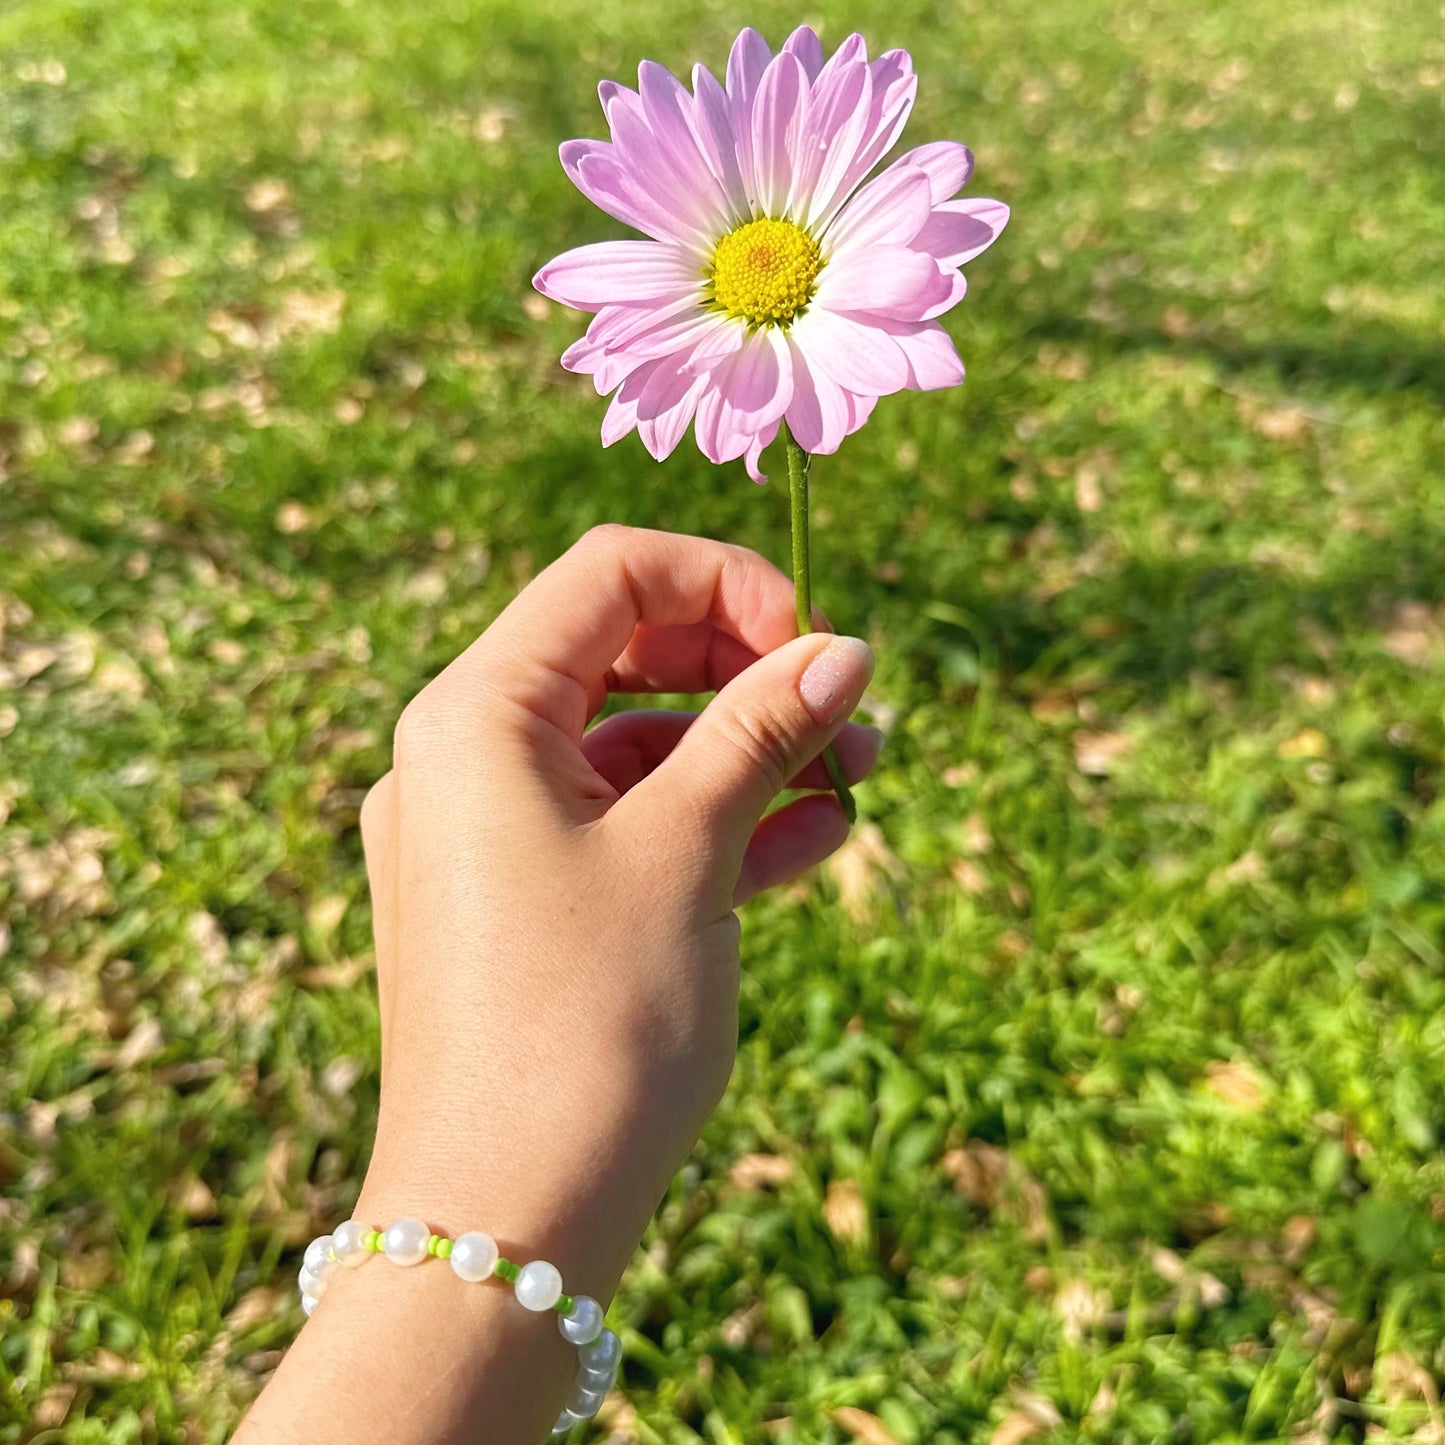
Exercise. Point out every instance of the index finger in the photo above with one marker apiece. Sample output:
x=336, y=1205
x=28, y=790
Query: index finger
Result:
x=552, y=647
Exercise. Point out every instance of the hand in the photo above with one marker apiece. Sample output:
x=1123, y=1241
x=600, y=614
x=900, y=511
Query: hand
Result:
x=557, y=951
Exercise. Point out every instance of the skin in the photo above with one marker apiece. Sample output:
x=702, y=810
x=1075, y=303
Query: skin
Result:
x=557, y=960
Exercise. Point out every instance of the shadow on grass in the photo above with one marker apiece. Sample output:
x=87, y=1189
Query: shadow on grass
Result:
x=1326, y=351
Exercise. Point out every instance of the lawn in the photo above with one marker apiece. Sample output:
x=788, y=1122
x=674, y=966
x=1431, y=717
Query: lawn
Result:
x=1094, y=1092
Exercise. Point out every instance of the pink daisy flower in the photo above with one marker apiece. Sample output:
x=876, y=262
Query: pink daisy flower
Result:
x=777, y=283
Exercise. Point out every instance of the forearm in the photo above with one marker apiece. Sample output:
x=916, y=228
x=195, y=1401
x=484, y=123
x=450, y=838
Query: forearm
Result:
x=397, y=1354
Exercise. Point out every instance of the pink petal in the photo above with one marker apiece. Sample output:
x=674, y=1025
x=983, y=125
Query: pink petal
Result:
x=886, y=280
x=651, y=158
x=617, y=271
x=837, y=121
x=891, y=100
x=932, y=358
x=957, y=231
x=595, y=169
x=946, y=163
x=894, y=86
x=818, y=413
x=890, y=210
x=859, y=357
x=746, y=62
x=615, y=326
x=613, y=93
x=780, y=111
x=860, y=408
x=953, y=291
x=707, y=335
x=713, y=126
x=804, y=43
x=853, y=48
x=756, y=382
x=590, y=357
x=666, y=406
x=670, y=113
x=620, y=419
x=745, y=394
x=753, y=456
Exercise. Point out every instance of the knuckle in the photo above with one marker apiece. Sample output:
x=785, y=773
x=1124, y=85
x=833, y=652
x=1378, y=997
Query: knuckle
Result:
x=606, y=536
x=416, y=732
x=765, y=743
x=374, y=808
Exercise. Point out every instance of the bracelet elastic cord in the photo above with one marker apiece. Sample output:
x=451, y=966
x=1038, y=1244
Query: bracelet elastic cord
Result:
x=474, y=1257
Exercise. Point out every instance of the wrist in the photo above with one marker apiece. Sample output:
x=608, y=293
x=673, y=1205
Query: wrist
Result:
x=585, y=1221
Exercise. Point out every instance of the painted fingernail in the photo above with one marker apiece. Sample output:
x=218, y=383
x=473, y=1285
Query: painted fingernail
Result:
x=834, y=681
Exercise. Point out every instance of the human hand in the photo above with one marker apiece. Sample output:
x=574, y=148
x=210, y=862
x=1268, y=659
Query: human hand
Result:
x=557, y=951
x=557, y=959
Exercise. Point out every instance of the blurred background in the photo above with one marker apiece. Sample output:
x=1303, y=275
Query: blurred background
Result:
x=1094, y=1091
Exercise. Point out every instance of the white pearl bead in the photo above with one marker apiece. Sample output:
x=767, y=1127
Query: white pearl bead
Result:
x=347, y=1245
x=603, y=1354
x=539, y=1286
x=565, y=1421
x=316, y=1258
x=586, y=1401
x=600, y=1378
x=584, y=1324
x=405, y=1241
x=473, y=1256
x=312, y=1284
x=308, y=1304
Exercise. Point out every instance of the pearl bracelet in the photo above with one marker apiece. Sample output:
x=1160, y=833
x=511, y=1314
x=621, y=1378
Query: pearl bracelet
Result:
x=474, y=1257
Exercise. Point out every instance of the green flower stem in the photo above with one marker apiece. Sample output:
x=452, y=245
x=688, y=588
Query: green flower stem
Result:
x=798, y=463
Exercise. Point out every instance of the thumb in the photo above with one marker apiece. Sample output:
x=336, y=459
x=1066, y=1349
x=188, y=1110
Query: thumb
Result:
x=771, y=720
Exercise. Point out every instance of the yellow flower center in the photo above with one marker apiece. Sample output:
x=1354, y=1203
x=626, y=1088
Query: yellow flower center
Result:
x=765, y=271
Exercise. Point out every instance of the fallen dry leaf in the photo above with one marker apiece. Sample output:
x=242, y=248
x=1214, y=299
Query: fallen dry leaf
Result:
x=1235, y=1082
x=862, y=868
x=267, y=195
x=1415, y=635
x=1285, y=424
x=760, y=1171
x=292, y=517
x=102, y=1367
x=1088, y=495
x=738, y=1329
x=1015, y=1428
x=991, y=1178
x=1296, y=1237
x=618, y=1417
x=1103, y=1402
x=1097, y=753
x=1307, y=743
x=53, y=1406
x=1079, y=1307
x=146, y=1040
x=339, y=1077
x=845, y=1213
x=865, y=1428
x=1402, y=1378
x=194, y=1198
x=1035, y=1415
x=325, y=914
x=254, y=1306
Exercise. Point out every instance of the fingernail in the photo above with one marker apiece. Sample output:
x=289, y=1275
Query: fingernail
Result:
x=834, y=681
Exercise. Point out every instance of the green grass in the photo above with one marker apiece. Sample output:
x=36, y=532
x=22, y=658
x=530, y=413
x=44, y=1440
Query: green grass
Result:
x=1113, y=1047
